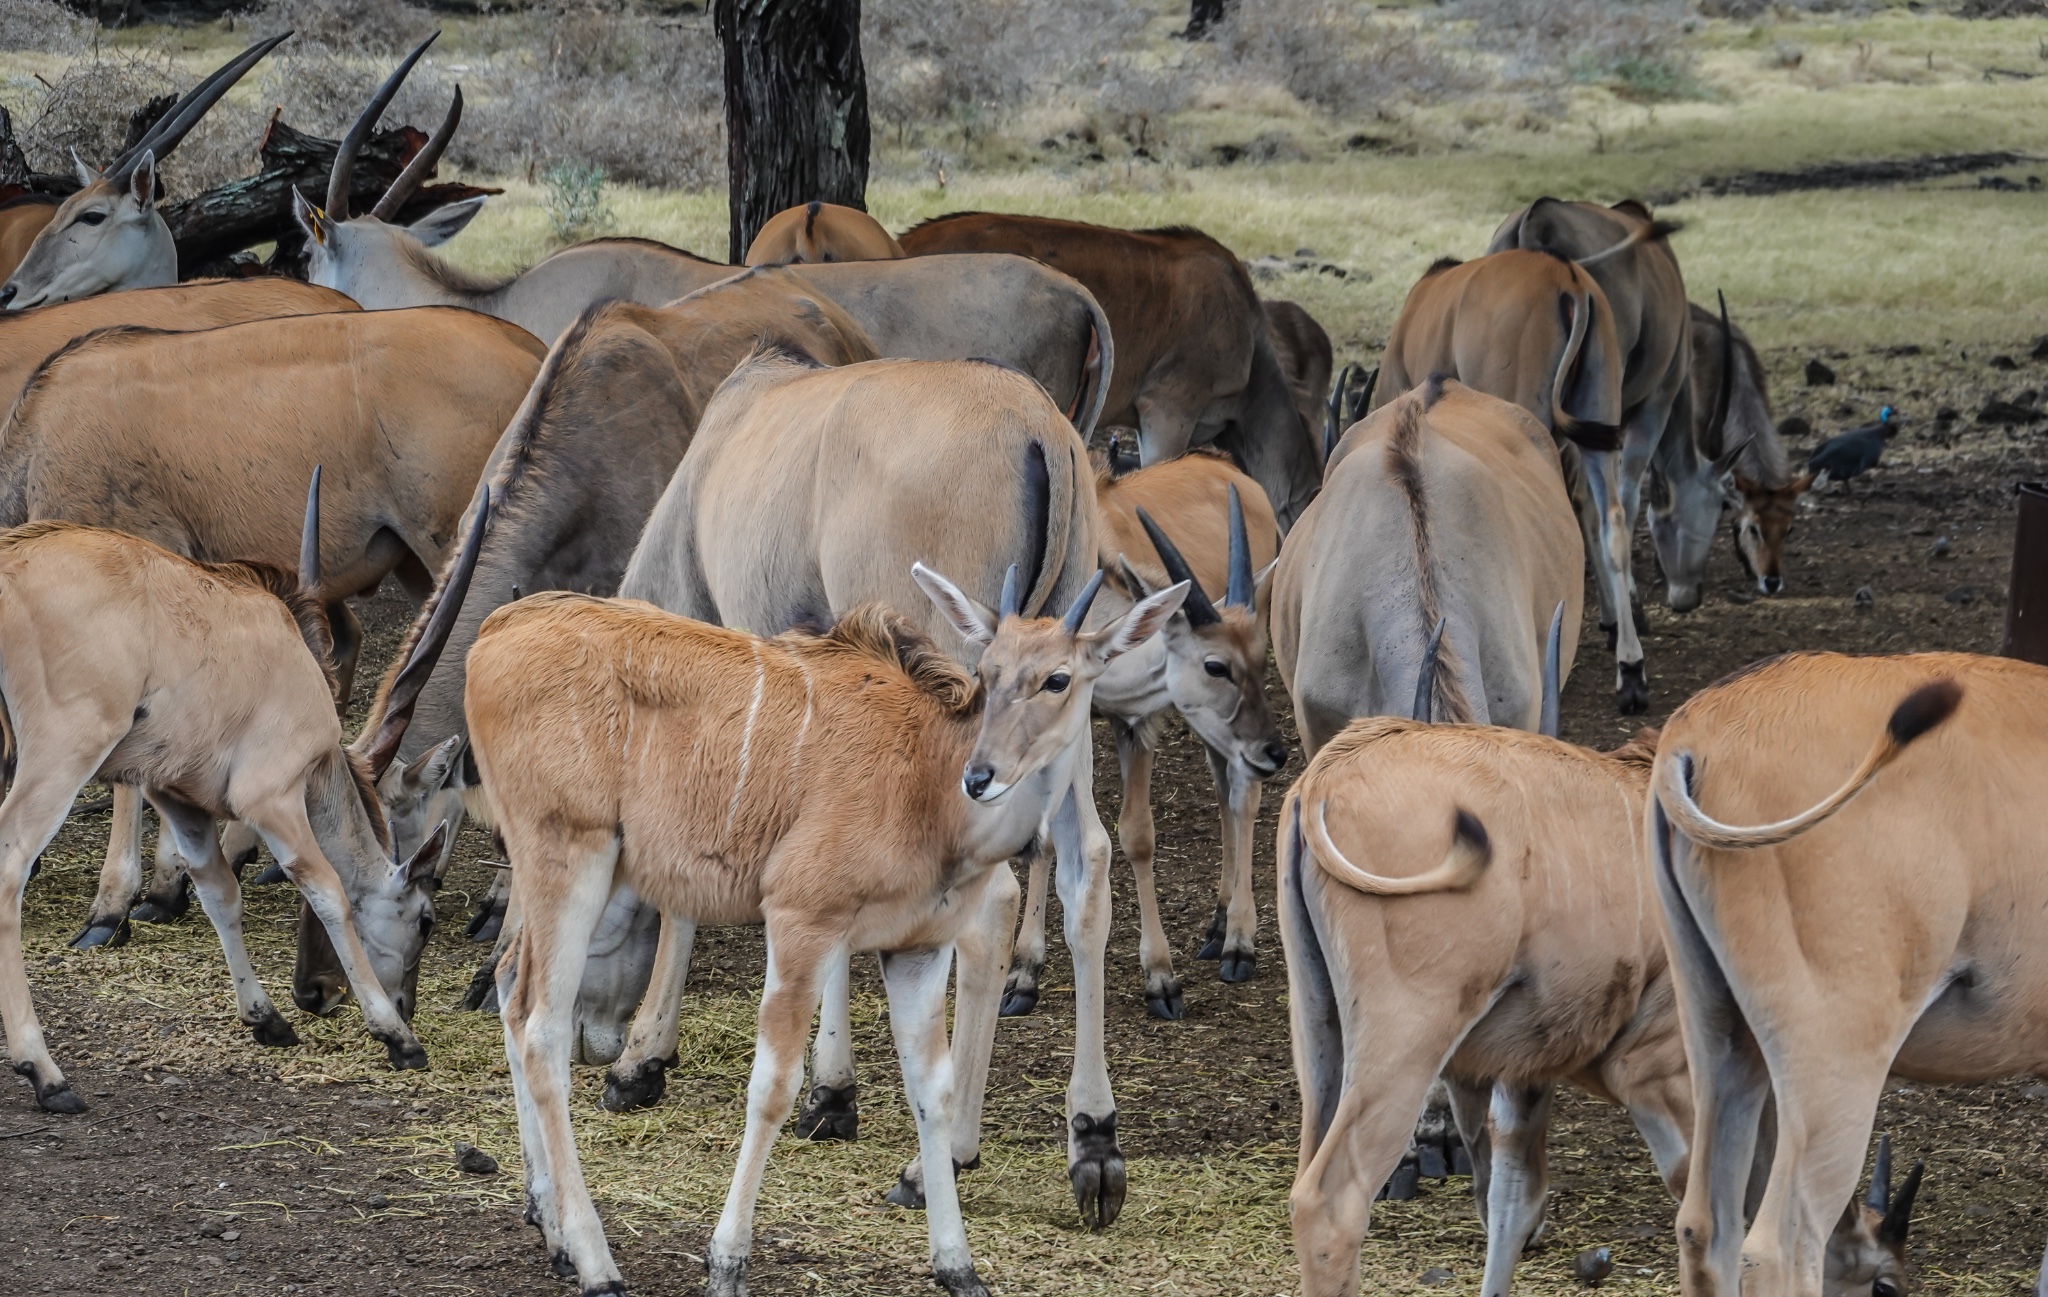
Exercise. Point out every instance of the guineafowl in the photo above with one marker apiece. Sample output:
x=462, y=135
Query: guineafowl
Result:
x=1853, y=453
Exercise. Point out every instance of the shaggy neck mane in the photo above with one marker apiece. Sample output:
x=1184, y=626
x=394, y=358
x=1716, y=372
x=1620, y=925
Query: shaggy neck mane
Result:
x=873, y=631
x=446, y=273
x=305, y=610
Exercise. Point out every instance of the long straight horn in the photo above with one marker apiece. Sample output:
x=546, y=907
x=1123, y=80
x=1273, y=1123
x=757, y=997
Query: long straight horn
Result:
x=1724, y=396
x=422, y=164
x=1363, y=400
x=352, y=143
x=1077, y=612
x=1012, y=602
x=1880, y=1196
x=1553, y=658
x=173, y=126
x=1898, y=1218
x=1240, y=592
x=309, y=538
x=404, y=693
x=1425, y=679
x=1196, y=608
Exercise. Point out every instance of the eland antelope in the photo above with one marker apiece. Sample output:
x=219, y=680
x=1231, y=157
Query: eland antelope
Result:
x=1627, y=251
x=1738, y=432
x=109, y=235
x=1532, y=328
x=1210, y=667
x=1196, y=363
x=573, y=479
x=194, y=683
x=820, y=232
x=850, y=791
x=1407, y=955
x=1848, y=854
x=1444, y=507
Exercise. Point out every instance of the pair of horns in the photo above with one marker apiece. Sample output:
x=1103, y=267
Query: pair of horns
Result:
x=1349, y=396
x=174, y=125
x=404, y=694
x=416, y=171
x=1012, y=602
x=1197, y=608
x=1424, y=708
x=1897, y=1212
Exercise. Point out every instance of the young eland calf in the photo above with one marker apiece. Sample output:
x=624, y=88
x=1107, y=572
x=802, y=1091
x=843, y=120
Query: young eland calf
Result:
x=850, y=791
x=124, y=662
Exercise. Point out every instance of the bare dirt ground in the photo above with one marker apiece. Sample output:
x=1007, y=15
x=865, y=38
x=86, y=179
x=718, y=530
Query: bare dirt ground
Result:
x=199, y=1171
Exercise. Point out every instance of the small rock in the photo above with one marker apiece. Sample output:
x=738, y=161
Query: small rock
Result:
x=1946, y=415
x=1818, y=374
x=2006, y=363
x=1434, y=1276
x=1794, y=428
x=1306, y=252
x=2035, y=1092
x=229, y=1236
x=1645, y=1231
x=1593, y=1264
x=1961, y=596
x=1267, y=267
x=1940, y=548
x=211, y=1229
x=2040, y=351
x=1865, y=597
x=1977, y=1211
x=376, y=1202
x=1048, y=143
x=2008, y=413
x=473, y=1160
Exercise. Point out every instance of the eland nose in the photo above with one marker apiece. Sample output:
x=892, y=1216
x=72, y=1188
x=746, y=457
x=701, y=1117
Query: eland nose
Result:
x=1773, y=584
x=1277, y=754
x=975, y=781
x=7, y=295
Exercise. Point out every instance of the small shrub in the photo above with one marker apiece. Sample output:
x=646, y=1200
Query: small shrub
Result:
x=355, y=26
x=1335, y=56
x=41, y=25
x=576, y=205
x=1634, y=45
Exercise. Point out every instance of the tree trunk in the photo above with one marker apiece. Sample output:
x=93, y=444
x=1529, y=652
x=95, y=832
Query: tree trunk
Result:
x=796, y=109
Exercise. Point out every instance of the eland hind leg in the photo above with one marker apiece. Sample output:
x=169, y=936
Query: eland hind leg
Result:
x=120, y=875
x=1518, y=1130
x=1027, y=957
x=831, y=1103
x=1233, y=933
x=637, y=1078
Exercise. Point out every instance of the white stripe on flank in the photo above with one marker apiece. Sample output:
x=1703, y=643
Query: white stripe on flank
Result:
x=796, y=753
x=739, y=787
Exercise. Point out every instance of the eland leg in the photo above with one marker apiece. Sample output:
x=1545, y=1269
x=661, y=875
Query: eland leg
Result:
x=1027, y=958
x=1519, y=1132
x=637, y=1078
x=1095, y=1162
x=220, y=896
x=917, y=1018
x=170, y=891
x=1134, y=831
x=1632, y=690
x=1236, y=906
x=120, y=875
x=831, y=1108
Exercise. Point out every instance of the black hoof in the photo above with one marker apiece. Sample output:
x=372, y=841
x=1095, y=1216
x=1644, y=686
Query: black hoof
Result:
x=642, y=1089
x=59, y=1098
x=1430, y=1163
x=1633, y=697
x=272, y=874
x=615, y=1288
x=408, y=1056
x=243, y=859
x=1238, y=965
x=1461, y=1161
x=1097, y=1170
x=102, y=932
x=158, y=907
x=559, y=1262
x=485, y=924
x=482, y=984
x=1212, y=940
x=907, y=1194
x=1405, y=1183
x=728, y=1277
x=274, y=1032
x=830, y=1114
x=960, y=1283
x=1167, y=1002
x=1020, y=996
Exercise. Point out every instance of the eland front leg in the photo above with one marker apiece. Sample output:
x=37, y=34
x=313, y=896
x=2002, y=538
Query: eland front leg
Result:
x=1134, y=830
x=1095, y=1162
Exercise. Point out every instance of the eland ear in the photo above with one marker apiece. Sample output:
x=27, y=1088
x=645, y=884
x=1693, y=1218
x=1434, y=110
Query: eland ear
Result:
x=419, y=871
x=1145, y=619
x=446, y=221
x=142, y=180
x=310, y=218
x=975, y=623
x=1133, y=581
x=86, y=175
x=435, y=768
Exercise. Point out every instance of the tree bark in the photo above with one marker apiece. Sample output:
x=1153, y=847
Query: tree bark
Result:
x=796, y=109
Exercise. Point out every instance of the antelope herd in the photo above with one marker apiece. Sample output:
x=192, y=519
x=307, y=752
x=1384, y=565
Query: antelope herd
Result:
x=787, y=595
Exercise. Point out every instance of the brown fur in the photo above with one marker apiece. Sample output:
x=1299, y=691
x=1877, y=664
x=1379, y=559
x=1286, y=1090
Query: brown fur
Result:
x=1404, y=469
x=821, y=232
x=161, y=434
x=21, y=219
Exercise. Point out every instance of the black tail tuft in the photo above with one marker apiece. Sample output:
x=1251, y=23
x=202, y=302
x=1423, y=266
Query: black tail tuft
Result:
x=1661, y=229
x=1923, y=709
x=1591, y=436
x=1468, y=828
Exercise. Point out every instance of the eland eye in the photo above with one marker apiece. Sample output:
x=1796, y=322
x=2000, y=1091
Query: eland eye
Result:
x=92, y=218
x=1884, y=1288
x=1057, y=682
x=1216, y=667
